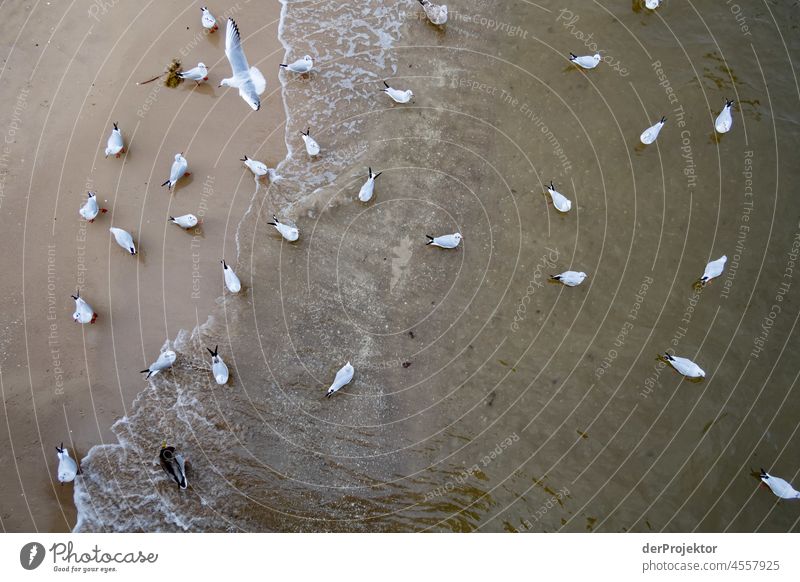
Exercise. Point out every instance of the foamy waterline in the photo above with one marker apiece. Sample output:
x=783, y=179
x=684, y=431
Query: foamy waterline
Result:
x=136, y=500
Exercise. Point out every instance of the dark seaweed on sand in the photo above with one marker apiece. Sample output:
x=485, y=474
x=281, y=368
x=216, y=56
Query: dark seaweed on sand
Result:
x=173, y=79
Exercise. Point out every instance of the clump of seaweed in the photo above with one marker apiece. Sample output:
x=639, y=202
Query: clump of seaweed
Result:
x=173, y=78
x=173, y=75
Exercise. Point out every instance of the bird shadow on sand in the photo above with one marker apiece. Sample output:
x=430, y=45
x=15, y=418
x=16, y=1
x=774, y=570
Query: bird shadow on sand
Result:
x=201, y=88
x=214, y=37
x=715, y=137
x=185, y=181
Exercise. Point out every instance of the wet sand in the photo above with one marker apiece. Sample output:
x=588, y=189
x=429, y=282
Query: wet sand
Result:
x=68, y=74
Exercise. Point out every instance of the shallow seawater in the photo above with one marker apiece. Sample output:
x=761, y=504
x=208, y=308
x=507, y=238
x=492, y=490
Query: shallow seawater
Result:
x=486, y=397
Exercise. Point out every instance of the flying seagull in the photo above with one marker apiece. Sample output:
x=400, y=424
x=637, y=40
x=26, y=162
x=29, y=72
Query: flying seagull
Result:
x=249, y=80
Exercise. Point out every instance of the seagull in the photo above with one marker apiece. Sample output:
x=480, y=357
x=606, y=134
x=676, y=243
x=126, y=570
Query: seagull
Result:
x=177, y=171
x=258, y=168
x=287, y=231
x=587, y=62
x=164, y=362
x=447, y=241
x=686, y=367
x=208, y=20
x=173, y=464
x=652, y=4
x=650, y=134
x=218, y=367
x=365, y=194
x=713, y=269
x=561, y=202
x=197, y=74
x=83, y=311
x=397, y=95
x=437, y=14
x=115, y=146
x=312, y=147
x=343, y=377
x=249, y=80
x=67, y=467
x=779, y=487
x=231, y=280
x=724, y=119
x=303, y=65
x=90, y=209
x=570, y=278
x=185, y=221
x=124, y=239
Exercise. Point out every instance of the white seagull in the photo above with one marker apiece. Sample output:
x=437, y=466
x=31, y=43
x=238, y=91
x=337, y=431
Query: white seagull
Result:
x=365, y=194
x=90, y=209
x=177, y=171
x=303, y=65
x=779, y=487
x=124, y=239
x=231, y=280
x=115, y=145
x=397, y=95
x=447, y=241
x=83, y=311
x=185, y=221
x=650, y=134
x=174, y=465
x=586, y=62
x=343, y=377
x=208, y=20
x=713, y=269
x=249, y=80
x=312, y=147
x=218, y=367
x=287, y=231
x=561, y=202
x=67, y=467
x=724, y=120
x=685, y=366
x=436, y=13
x=258, y=168
x=570, y=278
x=197, y=74
x=164, y=362
x=652, y=4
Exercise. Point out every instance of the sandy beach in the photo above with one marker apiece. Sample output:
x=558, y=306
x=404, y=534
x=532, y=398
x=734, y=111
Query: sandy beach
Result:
x=486, y=397
x=68, y=74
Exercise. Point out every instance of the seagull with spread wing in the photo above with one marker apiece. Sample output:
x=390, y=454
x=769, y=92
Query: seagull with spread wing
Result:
x=249, y=80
